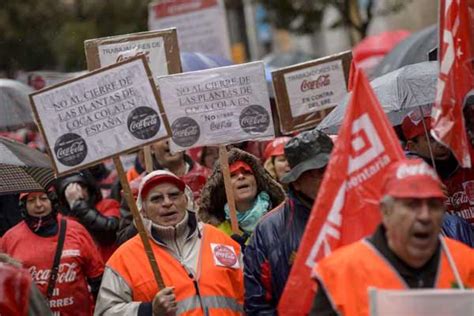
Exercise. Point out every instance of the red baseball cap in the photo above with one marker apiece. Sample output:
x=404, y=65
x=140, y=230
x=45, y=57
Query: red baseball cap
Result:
x=238, y=165
x=157, y=177
x=412, y=178
x=275, y=148
x=412, y=125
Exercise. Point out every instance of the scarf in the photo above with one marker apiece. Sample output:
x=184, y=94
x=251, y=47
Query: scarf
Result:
x=44, y=226
x=249, y=219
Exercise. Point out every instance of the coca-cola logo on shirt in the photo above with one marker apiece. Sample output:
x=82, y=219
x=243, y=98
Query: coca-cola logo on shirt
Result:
x=143, y=122
x=66, y=274
x=458, y=199
x=70, y=149
x=254, y=119
x=321, y=81
x=185, y=131
x=225, y=256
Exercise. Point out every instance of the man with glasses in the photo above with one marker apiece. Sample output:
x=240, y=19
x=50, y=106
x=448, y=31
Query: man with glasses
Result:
x=200, y=265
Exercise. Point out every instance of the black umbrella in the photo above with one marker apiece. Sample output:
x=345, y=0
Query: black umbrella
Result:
x=23, y=169
x=414, y=49
x=398, y=92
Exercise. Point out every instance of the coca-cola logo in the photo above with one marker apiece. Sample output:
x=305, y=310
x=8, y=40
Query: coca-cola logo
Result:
x=225, y=256
x=66, y=274
x=70, y=149
x=254, y=119
x=458, y=199
x=321, y=81
x=127, y=55
x=143, y=122
x=186, y=131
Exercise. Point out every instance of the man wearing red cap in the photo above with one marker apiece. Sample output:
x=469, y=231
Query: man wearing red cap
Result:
x=200, y=265
x=405, y=252
x=459, y=181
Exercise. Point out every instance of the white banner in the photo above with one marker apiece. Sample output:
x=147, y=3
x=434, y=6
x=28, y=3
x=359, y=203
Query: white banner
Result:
x=217, y=106
x=98, y=115
x=315, y=88
x=201, y=25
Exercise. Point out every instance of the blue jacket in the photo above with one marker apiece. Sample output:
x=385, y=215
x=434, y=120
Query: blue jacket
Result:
x=458, y=228
x=270, y=253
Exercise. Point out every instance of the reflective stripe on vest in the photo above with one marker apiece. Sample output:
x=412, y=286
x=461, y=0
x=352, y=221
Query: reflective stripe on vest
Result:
x=209, y=302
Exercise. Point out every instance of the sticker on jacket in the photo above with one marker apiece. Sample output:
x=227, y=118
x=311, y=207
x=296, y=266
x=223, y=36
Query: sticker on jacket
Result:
x=225, y=256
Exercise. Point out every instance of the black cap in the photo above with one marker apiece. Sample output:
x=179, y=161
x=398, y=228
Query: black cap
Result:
x=306, y=151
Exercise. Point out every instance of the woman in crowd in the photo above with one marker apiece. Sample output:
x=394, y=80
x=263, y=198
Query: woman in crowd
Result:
x=255, y=193
x=76, y=263
x=274, y=160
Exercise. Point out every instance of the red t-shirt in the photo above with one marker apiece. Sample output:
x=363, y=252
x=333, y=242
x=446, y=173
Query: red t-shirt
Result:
x=80, y=260
x=460, y=200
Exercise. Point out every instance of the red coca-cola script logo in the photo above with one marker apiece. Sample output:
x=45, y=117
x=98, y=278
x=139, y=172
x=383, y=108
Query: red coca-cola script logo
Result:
x=127, y=55
x=321, y=81
x=225, y=256
x=70, y=149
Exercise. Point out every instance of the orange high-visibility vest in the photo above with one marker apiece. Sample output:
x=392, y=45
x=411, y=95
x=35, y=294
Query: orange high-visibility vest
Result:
x=347, y=274
x=216, y=288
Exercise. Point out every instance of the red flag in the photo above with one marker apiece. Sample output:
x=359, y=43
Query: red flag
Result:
x=455, y=79
x=346, y=208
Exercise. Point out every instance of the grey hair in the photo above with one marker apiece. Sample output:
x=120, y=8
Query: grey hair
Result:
x=387, y=202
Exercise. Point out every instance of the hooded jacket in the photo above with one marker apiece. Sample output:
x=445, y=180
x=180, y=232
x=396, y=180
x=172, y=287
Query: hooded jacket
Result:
x=99, y=216
x=213, y=196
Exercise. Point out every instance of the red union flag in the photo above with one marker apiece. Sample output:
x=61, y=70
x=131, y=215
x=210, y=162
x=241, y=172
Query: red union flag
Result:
x=455, y=79
x=346, y=208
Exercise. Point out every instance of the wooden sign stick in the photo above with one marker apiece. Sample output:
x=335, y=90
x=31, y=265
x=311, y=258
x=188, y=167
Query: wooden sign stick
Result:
x=148, y=158
x=224, y=162
x=139, y=223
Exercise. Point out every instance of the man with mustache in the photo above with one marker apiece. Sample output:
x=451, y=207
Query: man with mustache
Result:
x=405, y=252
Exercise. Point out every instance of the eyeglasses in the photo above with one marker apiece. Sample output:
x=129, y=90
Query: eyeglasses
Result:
x=160, y=198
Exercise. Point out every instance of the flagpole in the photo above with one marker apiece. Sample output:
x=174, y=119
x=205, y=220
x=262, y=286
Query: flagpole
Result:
x=427, y=135
x=452, y=264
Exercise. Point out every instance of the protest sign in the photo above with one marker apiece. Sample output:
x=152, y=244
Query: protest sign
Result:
x=160, y=48
x=202, y=25
x=99, y=115
x=305, y=93
x=217, y=106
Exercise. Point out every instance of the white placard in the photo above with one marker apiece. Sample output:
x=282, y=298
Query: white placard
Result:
x=153, y=48
x=98, y=115
x=315, y=88
x=217, y=106
x=201, y=25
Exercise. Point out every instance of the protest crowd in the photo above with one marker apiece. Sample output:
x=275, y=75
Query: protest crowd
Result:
x=268, y=218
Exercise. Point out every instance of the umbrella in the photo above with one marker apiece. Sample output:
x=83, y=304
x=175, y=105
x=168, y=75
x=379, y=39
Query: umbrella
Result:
x=414, y=49
x=14, y=104
x=23, y=169
x=199, y=61
x=371, y=50
x=398, y=92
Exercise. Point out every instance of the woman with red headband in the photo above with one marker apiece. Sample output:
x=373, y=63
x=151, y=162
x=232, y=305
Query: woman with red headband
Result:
x=255, y=193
